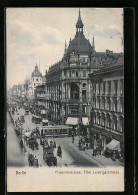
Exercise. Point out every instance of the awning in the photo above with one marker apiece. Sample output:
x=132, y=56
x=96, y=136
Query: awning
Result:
x=27, y=134
x=72, y=121
x=44, y=121
x=85, y=121
x=35, y=116
x=113, y=145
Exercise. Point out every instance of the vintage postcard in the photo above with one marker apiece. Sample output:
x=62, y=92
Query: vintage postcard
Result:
x=65, y=99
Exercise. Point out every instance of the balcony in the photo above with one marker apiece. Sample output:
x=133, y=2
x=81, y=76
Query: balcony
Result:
x=74, y=101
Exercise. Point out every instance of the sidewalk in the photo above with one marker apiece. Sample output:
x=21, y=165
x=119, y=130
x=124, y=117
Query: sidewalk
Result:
x=107, y=162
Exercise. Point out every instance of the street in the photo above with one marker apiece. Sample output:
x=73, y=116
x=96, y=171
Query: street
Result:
x=71, y=156
x=15, y=156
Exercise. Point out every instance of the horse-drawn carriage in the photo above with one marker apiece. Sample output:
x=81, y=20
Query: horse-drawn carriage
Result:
x=36, y=119
x=36, y=133
x=22, y=119
x=32, y=160
x=48, y=153
x=32, y=143
x=49, y=157
x=27, y=112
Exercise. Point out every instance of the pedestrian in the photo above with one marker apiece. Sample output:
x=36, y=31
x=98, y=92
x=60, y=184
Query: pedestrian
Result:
x=51, y=144
x=72, y=138
x=54, y=144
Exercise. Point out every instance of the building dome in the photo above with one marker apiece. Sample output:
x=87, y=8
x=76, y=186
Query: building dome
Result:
x=36, y=72
x=80, y=45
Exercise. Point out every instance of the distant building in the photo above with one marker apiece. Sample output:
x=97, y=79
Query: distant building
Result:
x=107, y=97
x=36, y=79
x=40, y=96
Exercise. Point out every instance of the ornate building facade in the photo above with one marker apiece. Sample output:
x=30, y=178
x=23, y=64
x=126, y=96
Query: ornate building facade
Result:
x=107, y=99
x=68, y=86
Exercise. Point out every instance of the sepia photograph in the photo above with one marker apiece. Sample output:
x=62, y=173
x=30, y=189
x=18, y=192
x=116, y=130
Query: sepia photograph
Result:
x=65, y=96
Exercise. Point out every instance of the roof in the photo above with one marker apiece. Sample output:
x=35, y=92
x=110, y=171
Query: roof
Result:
x=43, y=79
x=36, y=72
x=80, y=45
x=79, y=22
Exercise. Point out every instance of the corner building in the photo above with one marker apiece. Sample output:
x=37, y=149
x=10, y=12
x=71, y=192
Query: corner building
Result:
x=67, y=82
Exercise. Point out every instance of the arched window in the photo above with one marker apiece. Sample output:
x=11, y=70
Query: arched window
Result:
x=98, y=118
x=103, y=102
x=94, y=102
x=115, y=105
x=114, y=122
x=121, y=124
x=108, y=104
x=94, y=119
x=103, y=119
x=74, y=91
x=108, y=121
x=121, y=105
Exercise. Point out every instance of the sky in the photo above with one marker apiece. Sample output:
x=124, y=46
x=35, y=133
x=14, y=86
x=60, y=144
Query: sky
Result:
x=37, y=35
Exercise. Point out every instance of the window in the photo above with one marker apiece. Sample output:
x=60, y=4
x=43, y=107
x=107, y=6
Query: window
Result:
x=121, y=104
x=115, y=105
x=83, y=95
x=36, y=79
x=94, y=102
x=103, y=101
x=83, y=109
x=98, y=118
x=108, y=121
x=103, y=120
x=76, y=74
x=109, y=87
x=115, y=87
x=103, y=88
x=122, y=107
x=122, y=87
x=98, y=88
x=94, y=118
x=70, y=74
x=33, y=79
x=34, y=84
x=115, y=123
x=84, y=84
x=98, y=102
x=121, y=124
x=84, y=73
x=108, y=104
x=94, y=88
x=64, y=73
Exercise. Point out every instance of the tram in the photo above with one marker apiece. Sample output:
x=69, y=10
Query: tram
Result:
x=55, y=131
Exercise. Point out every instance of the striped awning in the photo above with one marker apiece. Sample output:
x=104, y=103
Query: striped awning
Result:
x=72, y=121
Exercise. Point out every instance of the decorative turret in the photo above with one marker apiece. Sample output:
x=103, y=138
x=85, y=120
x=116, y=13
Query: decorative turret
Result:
x=79, y=25
x=93, y=46
x=36, y=72
x=65, y=47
